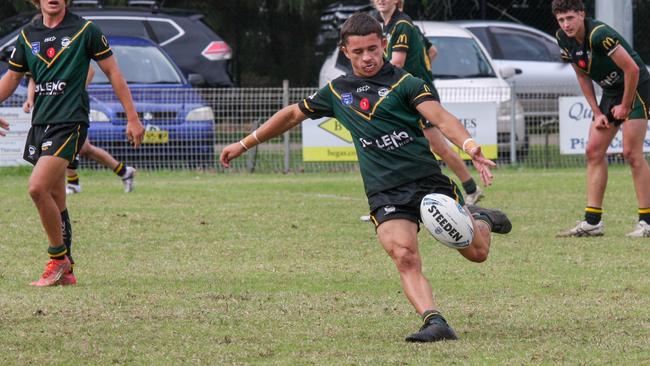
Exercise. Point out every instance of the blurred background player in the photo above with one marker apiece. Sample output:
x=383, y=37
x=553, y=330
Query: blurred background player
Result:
x=56, y=49
x=88, y=150
x=598, y=53
x=409, y=49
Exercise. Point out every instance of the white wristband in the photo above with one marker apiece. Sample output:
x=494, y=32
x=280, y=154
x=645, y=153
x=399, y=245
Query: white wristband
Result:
x=469, y=145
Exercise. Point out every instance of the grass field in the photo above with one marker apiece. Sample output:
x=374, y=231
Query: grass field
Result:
x=216, y=269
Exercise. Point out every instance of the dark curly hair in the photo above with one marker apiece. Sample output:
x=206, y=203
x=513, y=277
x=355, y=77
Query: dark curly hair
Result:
x=359, y=24
x=562, y=6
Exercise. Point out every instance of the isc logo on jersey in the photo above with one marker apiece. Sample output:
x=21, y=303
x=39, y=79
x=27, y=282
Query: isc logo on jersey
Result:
x=446, y=220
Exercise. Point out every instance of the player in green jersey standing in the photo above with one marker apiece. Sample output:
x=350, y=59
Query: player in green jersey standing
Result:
x=406, y=49
x=56, y=48
x=381, y=105
x=598, y=53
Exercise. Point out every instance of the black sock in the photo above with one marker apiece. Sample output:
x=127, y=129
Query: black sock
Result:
x=428, y=314
x=593, y=215
x=57, y=252
x=66, y=228
x=469, y=186
x=644, y=215
x=120, y=169
x=73, y=179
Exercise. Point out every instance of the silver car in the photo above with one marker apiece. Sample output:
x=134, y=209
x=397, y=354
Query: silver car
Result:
x=525, y=48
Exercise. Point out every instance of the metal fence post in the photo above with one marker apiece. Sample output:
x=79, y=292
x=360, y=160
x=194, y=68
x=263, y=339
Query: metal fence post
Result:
x=287, y=145
x=513, y=123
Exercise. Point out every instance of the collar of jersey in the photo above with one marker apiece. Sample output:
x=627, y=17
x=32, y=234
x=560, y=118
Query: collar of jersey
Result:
x=51, y=62
x=384, y=70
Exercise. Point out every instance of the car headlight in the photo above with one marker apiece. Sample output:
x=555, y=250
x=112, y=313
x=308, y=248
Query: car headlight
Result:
x=97, y=116
x=201, y=114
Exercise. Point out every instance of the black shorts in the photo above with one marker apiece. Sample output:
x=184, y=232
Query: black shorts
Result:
x=403, y=202
x=63, y=140
x=639, y=105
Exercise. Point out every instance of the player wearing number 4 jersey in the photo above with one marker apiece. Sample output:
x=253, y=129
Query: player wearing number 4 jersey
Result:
x=381, y=105
x=598, y=53
x=56, y=48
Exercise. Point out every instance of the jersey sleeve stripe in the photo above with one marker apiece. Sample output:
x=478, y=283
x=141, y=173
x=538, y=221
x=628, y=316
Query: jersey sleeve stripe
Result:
x=15, y=64
x=613, y=49
x=423, y=95
x=307, y=105
x=103, y=52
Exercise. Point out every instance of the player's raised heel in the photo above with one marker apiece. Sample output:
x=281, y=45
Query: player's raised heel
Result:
x=583, y=229
x=500, y=222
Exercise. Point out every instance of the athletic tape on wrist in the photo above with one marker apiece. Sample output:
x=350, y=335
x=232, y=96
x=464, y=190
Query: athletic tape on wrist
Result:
x=241, y=142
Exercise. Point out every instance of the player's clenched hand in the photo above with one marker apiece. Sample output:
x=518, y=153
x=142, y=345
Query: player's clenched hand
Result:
x=620, y=112
x=231, y=152
x=134, y=132
x=482, y=165
x=601, y=121
x=4, y=125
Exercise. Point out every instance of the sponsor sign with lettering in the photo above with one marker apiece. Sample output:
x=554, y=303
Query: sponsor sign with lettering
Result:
x=575, y=119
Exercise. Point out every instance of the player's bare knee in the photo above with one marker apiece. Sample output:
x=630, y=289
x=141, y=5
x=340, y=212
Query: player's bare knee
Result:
x=37, y=191
x=406, y=259
x=633, y=157
x=594, y=153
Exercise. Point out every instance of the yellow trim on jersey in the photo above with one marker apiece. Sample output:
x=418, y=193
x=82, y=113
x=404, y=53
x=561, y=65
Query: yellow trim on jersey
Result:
x=333, y=91
x=644, y=210
x=103, y=52
x=76, y=145
x=22, y=32
x=304, y=101
x=590, y=46
x=368, y=116
x=457, y=198
x=594, y=210
x=71, y=40
x=14, y=64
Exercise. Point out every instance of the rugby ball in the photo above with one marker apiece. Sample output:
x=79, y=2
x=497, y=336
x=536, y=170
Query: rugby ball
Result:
x=446, y=220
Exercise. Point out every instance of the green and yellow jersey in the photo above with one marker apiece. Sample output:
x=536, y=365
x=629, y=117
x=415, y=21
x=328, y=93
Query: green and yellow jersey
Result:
x=58, y=59
x=593, y=56
x=381, y=115
x=404, y=36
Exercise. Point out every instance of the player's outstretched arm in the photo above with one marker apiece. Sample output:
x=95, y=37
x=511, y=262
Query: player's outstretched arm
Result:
x=459, y=136
x=282, y=121
x=134, y=128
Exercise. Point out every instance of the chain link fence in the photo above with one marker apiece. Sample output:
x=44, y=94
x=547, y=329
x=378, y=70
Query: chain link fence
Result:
x=187, y=129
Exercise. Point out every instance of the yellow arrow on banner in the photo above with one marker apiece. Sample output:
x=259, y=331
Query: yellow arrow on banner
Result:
x=334, y=127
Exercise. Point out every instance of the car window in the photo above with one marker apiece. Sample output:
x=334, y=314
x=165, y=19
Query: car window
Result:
x=521, y=45
x=459, y=58
x=164, y=31
x=482, y=35
x=146, y=65
x=122, y=27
